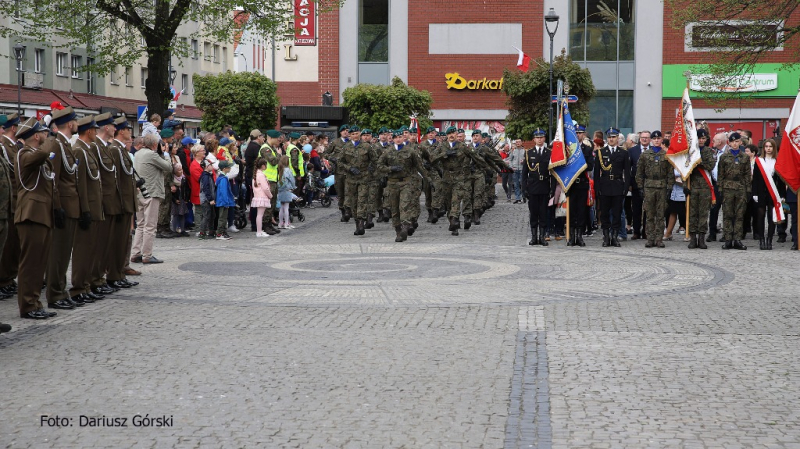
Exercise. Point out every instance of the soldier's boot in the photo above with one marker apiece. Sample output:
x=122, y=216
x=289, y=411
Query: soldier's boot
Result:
x=458, y=226
x=728, y=244
x=659, y=242
x=414, y=223
x=399, y=231
x=693, y=241
x=711, y=238
x=572, y=240
x=737, y=244
x=701, y=241
x=348, y=214
x=410, y=229
x=453, y=224
x=579, y=237
x=769, y=242
x=542, y=240
x=441, y=213
x=794, y=246
x=615, y=239
x=369, y=224
x=476, y=218
x=606, y=238
x=407, y=230
x=344, y=214
x=359, y=227
x=434, y=216
x=467, y=222
x=534, y=237
x=762, y=244
x=430, y=216
x=380, y=216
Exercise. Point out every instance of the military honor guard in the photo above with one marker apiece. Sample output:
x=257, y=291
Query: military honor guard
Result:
x=119, y=243
x=578, y=193
x=538, y=185
x=612, y=177
x=700, y=193
x=9, y=260
x=654, y=177
x=735, y=180
x=112, y=203
x=6, y=212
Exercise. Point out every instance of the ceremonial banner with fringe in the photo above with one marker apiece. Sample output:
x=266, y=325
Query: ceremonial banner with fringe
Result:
x=575, y=165
x=683, y=152
x=788, y=163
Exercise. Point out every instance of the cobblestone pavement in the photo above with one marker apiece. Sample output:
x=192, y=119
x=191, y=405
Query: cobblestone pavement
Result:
x=319, y=339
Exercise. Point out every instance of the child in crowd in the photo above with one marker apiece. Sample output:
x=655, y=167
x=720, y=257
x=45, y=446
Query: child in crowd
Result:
x=261, y=195
x=180, y=201
x=224, y=199
x=285, y=187
x=207, y=199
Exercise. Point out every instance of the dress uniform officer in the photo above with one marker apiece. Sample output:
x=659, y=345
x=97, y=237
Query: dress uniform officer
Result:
x=356, y=158
x=578, y=193
x=9, y=260
x=735, y=179
x=33, y=217
x=655, y=180
x=86, y=243
x=539, y=186
x=120, y=234
x=612, y=177
x=700, y=193
x=69, y=201
x=6, y=214
x=332, y=153
x=112, y=203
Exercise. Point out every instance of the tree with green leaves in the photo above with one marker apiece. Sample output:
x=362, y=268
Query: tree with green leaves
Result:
x=529, y=94
x=244, y=100
x=738, y=35
x=118, y=32
x=372, y=106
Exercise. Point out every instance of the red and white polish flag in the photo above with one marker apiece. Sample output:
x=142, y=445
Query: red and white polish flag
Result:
x=524, y=61
x=788, y=163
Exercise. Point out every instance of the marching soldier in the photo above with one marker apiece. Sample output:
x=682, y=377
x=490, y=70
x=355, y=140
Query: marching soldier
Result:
x=356, y=158
x=332, y=153
x=372, y=179
x=377, y=193
x=120, y=235
x=612, y=177
x=9, y=261
x=476, y=183
x=539, y=186
x=425, y=148
x=91, y=219
x=33, y=217
x=410, y=140
x=578, y=193
x=112, y=204
x=68, y=203
x=735, y=178
x=700, y=203
x=655, y=180
x=492, y=158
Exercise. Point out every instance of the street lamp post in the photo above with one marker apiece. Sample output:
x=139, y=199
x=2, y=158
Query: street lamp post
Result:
x=551, y=18
x=245, y=59
x=19, y=53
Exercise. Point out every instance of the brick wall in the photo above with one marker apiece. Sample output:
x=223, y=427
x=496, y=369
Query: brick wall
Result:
x=671, y=105
x=426, y=72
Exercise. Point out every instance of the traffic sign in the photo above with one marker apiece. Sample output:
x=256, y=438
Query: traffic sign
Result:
x=570, y=99
x=141, y=112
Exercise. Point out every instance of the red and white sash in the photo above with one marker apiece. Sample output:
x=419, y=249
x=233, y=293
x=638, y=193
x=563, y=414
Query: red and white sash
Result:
x=777, y=211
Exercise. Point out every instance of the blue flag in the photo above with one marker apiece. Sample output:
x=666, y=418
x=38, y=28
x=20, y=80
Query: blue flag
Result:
x=576, y=164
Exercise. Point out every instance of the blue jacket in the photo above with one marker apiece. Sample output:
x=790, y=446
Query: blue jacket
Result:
x=224, y=192
x=285, y=186
x=207, y=188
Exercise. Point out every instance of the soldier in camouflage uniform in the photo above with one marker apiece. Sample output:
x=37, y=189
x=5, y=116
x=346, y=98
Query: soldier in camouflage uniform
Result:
x=378, y=192
x=356, y=158
x=425, y=147
x=332, y=154
x=476, y=183
x=401, y=166
x=456, y=158
x=496, y=164
x=700, y=191
x=654, y=176
x=410, y=139
x=438, y=204
x=735, y=178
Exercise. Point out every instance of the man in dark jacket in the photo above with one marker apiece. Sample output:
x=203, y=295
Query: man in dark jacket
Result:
x=636, y=197
x=250, y=156
x=539, y=186
x=612, y=177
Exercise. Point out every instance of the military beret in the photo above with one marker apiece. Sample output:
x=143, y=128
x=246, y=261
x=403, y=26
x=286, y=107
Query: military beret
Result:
x=612, y=132
x=580, y=128
x=477, y=131
x=3, y=119
x=86, y=122
x=104, y=119
x=430, y=130
x=734, y=136
x=344, y=127
x=121, y=123
x=61, y=116
x=441, y=133
x=656, y=133
x=167, y=132
x=413, y=130
x=366, y=131
x=538, y=132
x=451, y=130
x=355, y=129
x=11, y=120
x=460, y=131
x=294, y=135
x=383, y=129
x=484, y=135
x=397, y=133
x=274, y=133
x=402, y=128
x=702, y=133
x=29, y=128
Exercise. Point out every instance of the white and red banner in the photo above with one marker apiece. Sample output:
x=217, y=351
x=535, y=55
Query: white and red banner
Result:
x=684, y=152
x=305, y=22
x=524, y=61
x=557, y=155
x=788, y=163
x=766, y=173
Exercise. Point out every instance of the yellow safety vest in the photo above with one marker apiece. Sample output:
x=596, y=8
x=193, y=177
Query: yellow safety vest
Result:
x=301, y=166
x=271, y=171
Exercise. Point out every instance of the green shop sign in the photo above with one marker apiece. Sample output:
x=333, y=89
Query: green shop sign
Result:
x=766, y=81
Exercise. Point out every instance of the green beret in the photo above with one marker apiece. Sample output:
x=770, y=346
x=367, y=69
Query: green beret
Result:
x=413, y=130
x=484, y=135
x=366, y=131
x=355, y=129
x=294, y=135
x=451, y=130
x=403, y=129
x=274, y=133
x=167, y=132
x=383, y=129
x=477, y=131
x=430, y=130
x=344, y=127
x=460, y=131
x=397, y=133
x=441, y=134
x=3, y=119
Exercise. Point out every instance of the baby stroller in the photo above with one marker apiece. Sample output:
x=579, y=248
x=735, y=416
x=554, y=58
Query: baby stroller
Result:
x=240, y=214
x=294, y=210
x=317, y=190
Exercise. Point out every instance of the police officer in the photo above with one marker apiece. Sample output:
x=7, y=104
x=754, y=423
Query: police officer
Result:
x=332, y=153
x=578, y=193
x=9, y=261
x=735, y=179
x=612, y=177
x=539, y=186
x=356, y=158
x=655, y=180
x=33, y=217
x=700, y=192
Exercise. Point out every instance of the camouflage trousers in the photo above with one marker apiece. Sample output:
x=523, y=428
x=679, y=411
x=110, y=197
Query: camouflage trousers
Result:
x=416, y=185
x=375, y=200
x=454, y=191
x=164, y=213
x=358, y=197
x=490, y=190
x=339, y=181
x=733, y=207
x=699, y=207
x=401, y=200
x=430, y=189
x=654, y=206
x=478, y=186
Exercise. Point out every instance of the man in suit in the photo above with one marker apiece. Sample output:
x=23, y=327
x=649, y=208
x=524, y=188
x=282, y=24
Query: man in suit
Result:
x=612, y=175
x=33, y=217
x=636, y=197
x=9, y=261
x=539, y=186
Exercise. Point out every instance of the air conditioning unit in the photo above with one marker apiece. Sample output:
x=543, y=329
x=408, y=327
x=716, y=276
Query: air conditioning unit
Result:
x=31, y=80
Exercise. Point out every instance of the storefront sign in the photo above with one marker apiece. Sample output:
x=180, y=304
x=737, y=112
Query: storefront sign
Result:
x=456, y=81
x=305, y=25
x=738, y=34
x=770, y=80
x=756, y=82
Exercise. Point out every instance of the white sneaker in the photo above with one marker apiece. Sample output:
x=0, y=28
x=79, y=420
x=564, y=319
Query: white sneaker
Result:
x=262, y=234
x=288, y=227
x=233, y=229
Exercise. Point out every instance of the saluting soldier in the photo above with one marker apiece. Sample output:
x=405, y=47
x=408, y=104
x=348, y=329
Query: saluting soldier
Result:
x=86, y=241
x=120, y=234
x=700, y=203
x=33, y=217
x=332, y=153
x=654, y=177
x=9, y=261
x=68, y=203
x=112, y=204
x=612, y=177
x=539, y=186
x=578, y=193
x=735, y=178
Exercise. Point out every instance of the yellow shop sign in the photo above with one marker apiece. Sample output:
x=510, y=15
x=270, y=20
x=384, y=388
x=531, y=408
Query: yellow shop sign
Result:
x=456, y=81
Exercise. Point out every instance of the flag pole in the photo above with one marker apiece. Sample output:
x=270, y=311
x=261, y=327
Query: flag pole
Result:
x=688, y=76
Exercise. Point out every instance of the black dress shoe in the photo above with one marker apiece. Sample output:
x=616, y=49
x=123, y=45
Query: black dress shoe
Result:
x=130, y=283
x=107, y=286
x=34, y=315
x=119, y=284
x=47, y=313
x=62, y=304
x=5, y=296
x=100, y=291
x=86, y=298
x=79, y=300
x=93, y=296
x=69, y=300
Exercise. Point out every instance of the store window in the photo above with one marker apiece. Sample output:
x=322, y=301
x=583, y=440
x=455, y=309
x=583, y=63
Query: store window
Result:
x=609, y=109
x=602, y=30
x=373, y=32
